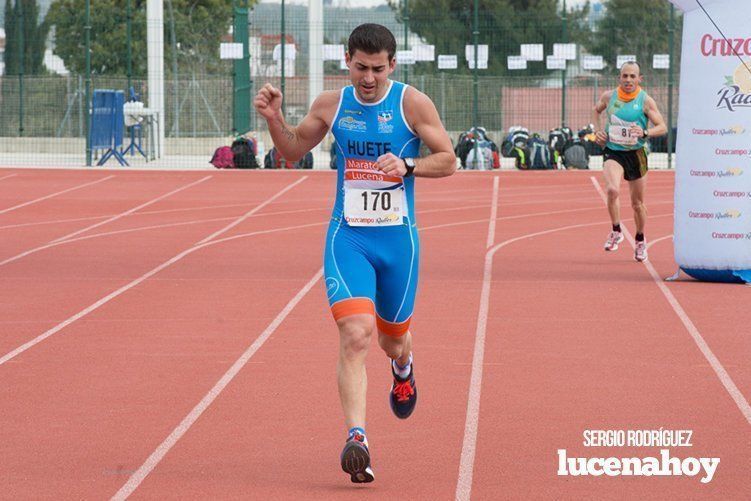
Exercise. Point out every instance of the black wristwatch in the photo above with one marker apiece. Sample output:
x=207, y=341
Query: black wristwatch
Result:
x=410, y=164
x=646, y=133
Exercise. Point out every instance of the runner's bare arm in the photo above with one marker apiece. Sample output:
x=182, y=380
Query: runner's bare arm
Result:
x=600, y=106
x=421, y=114
x=653, y=113
x=294, y=142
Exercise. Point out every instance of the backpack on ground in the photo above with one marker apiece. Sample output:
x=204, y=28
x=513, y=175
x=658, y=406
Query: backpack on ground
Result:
x=274, y=160
x=306, y=162
x=539, y=154
x=521, y=158
x=519, y=136
x=515, y=145
x=567, y=133
x=507, y=147
x=480, y=157
x=243, y=153
x=466, y=144
x=575, y=155
x=223, y=158
x=557, y=140
x=461, y=150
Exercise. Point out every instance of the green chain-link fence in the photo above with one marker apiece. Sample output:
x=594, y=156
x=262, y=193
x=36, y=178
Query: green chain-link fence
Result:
x=37, y=101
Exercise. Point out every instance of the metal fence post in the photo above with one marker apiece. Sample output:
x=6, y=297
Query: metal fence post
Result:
x=129, y=42
x=241, y=84
x=443, y=97
x=563, y=73
x=597, y=85
x=87, y=31
x=20, y=36
x=175, y=84
x=79, y=93
x=406, y=37
x=475, y=83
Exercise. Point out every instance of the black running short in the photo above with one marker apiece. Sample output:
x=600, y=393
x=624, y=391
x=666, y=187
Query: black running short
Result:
x=634, y=162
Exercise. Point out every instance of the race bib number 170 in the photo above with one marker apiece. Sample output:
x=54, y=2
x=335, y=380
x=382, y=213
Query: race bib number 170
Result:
x=364, y=207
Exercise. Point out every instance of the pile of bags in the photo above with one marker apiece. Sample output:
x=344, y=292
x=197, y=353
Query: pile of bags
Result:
x=476, y=151
x=241, y=155
x=562, y=150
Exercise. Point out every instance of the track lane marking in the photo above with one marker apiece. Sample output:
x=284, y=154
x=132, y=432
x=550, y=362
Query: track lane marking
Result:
x=656, y=240
x=51, y=195
x=155, y=457
x=714, y=362
x=469, y=444
x=69, y=236
x=29, y=344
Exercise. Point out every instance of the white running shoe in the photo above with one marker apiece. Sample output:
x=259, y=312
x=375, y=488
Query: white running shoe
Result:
x=640, y=251
x=613, y=240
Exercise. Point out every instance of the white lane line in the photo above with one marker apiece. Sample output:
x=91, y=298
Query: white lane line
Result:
x=69, y=237
x=144, y=228
x=469, y=444
x=464, y=483
x=578, y=199
x=266, y=214
x=3, y=211
x=155, y=458
x=322, y=223
x=202, y=221
x=29, y=344
x=295, y=211
x=433, y=227
x=53, y=221
x=131, y=211
x=722, y=374
x=6, y=177
x=652, y=242
x=493, y=215
x=251, y=212
x=166, y=211
x=262, y=232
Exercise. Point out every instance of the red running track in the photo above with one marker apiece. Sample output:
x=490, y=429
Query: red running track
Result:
x=164, y=335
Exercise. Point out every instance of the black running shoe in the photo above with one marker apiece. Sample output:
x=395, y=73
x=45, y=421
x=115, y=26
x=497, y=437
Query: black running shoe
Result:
x=356, y=460
x=403, y=395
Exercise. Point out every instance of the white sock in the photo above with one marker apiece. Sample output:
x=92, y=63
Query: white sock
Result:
x=400, y=371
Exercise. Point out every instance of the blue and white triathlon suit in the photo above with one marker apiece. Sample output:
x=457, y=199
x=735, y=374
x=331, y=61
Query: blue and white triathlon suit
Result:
x=372, y=249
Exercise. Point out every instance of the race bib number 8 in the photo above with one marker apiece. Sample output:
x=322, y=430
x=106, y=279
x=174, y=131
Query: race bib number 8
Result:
x=373, y=207
x=621, y=134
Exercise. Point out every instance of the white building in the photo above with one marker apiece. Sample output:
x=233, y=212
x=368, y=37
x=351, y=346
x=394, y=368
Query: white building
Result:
x=54, y=63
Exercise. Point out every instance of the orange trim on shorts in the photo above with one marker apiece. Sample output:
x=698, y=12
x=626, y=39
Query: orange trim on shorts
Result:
x=352, y=306
x=391, y=328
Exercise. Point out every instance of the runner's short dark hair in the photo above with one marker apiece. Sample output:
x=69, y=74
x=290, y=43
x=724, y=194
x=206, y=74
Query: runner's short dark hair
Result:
x=371, y=39
x=627, y=63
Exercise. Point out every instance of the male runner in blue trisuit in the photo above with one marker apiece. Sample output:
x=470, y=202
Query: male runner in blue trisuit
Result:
x=372, y=249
